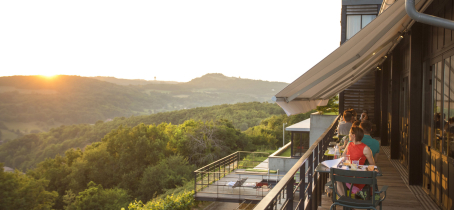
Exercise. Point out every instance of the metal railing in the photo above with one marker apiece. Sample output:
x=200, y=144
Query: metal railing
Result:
x=210, y=175
x=310, y=191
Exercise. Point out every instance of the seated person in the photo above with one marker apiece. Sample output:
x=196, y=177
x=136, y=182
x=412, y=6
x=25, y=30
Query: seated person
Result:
x=344, y=128
x=354, y=115
x=372, y=143
x=346, y=140
x=357, y=151
x=364, y=117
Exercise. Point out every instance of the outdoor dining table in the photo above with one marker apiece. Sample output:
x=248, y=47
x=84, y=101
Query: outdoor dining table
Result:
x=324, y=172
x=330, y=156
x=323, y=169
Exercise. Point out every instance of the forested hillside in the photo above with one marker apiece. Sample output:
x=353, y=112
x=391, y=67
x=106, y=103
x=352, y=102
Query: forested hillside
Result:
x=125, y=164
x=122, y=165
x=25, y=152
x=32, y=104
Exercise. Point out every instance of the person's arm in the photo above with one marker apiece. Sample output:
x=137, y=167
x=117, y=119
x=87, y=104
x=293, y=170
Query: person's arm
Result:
x=368, y=153
x=376, y=157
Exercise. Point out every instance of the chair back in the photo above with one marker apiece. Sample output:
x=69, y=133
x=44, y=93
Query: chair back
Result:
x=369, y=178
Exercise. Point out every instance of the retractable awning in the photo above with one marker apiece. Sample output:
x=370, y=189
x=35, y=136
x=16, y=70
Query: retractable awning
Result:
x=347, y=64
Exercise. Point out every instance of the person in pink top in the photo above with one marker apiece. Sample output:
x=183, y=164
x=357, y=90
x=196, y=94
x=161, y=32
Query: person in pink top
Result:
x=357, y=151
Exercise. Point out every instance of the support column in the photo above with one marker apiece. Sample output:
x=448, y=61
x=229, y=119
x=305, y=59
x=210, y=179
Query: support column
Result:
x=377, y=117
x=341, y=102
x=395, y=82
x=384, y=102
x=416, y=80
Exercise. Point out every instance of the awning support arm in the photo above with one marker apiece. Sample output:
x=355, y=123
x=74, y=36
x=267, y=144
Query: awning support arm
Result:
x=425, y=18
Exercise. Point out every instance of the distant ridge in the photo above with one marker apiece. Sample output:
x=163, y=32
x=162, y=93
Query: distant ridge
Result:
x=126, y=82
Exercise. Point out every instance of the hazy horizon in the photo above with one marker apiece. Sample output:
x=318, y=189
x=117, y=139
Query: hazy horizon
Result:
x=170, y=40
x=50, y=76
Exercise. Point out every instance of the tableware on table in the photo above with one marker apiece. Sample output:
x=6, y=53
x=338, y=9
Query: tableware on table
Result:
x=355, y=164
x=347, y=160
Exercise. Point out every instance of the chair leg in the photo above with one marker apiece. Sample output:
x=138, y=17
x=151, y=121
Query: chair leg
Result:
x=331, y=208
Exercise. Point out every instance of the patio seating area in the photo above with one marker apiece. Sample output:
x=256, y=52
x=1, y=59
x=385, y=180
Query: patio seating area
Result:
x=399, y=196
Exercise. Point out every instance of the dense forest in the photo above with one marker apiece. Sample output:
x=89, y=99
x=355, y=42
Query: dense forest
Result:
x=25, y=152
x=123, y=165
x=32, y=104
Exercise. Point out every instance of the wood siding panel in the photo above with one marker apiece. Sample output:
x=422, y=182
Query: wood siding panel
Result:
x=361, y=95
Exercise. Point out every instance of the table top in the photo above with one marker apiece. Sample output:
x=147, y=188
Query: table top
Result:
x=323, y=169
x=327, y=151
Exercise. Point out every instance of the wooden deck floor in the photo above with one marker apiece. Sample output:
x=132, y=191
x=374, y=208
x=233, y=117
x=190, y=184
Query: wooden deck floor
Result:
x=398, y=197
x=218, y=191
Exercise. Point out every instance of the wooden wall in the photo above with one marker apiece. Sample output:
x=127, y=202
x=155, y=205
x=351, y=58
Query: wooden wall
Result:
x=361, y=96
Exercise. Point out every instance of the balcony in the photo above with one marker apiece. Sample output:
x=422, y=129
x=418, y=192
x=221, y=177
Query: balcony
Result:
x=288, y=190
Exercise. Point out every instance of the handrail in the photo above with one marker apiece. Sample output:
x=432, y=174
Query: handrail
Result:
x=217, y=161
x=289, y=177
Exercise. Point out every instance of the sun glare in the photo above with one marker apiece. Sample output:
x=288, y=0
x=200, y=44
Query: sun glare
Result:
x=49, y=76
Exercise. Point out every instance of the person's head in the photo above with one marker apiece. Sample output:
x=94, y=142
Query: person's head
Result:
x=366, y=126
x=356, y=134
x=364, y=116
x=347, y=116
x=356, y=123
x=354, y=114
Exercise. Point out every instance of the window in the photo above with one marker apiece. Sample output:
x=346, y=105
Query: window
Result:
x=357, y=22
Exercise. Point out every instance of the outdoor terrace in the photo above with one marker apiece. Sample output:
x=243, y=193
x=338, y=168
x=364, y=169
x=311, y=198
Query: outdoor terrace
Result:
x=288, y=191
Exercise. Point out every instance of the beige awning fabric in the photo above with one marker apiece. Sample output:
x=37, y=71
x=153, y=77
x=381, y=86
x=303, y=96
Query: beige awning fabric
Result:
x=296, y=106
x=347, y=64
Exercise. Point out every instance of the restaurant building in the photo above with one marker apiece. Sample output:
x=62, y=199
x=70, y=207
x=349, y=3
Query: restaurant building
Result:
x=401, y=71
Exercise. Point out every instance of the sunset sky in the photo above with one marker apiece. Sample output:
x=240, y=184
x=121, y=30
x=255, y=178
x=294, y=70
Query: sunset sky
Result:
x=173, y=40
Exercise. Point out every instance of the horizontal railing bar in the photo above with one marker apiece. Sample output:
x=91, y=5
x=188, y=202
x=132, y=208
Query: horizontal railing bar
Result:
x=230, y=156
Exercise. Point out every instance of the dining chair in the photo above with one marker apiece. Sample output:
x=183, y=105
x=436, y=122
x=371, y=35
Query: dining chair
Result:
x=369, y=178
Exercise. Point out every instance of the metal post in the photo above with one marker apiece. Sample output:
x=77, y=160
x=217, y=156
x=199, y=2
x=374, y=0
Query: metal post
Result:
x=290, y=194
x=316, y=184
x=302, y=186
x=310, y=180
x=283, y=134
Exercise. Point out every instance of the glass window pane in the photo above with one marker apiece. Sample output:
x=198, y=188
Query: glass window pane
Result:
x=427, y=104
x=451, y=111
x=437, y=107
x=353, y=25
x=445, y=105
x=367, y=19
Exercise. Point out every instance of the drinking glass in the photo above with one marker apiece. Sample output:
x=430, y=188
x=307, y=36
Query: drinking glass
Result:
x=346, y=160
x=355, y=164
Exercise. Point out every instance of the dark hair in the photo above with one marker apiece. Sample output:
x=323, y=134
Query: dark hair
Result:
x=366, y=126
x=366, y=116
x=356, y=123
x=348, y=116
x=358, y=132
x=354, y=114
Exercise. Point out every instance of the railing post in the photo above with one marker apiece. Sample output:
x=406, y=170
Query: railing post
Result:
x=316, y=184
x=310, y=180
x=290, y=194
x=302, y=186
x=321, y=181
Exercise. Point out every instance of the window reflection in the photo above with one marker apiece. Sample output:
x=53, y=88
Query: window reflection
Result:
x=450, y=147
x=445, y=114
x=437, y=107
